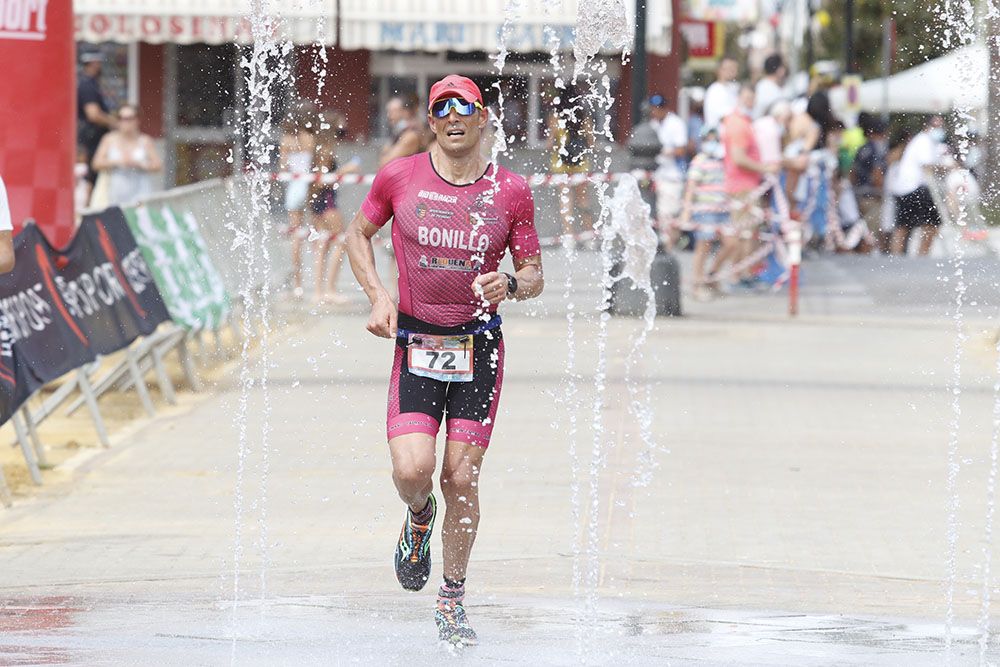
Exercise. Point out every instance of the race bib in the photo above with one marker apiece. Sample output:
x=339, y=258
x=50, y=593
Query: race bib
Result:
x=445, y=358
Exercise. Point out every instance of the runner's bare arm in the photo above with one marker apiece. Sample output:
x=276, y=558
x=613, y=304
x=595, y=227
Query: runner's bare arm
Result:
x=527, y=271
x=382, y=321
x=530, y=280
x=6, y=252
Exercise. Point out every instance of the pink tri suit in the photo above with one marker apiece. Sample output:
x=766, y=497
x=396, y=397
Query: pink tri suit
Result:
x=443, y=236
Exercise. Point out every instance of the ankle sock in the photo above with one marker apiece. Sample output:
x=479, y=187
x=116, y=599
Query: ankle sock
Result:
x=452, y=590
x=423, y=517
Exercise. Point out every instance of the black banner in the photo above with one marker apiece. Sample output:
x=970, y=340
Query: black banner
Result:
x=60, y=308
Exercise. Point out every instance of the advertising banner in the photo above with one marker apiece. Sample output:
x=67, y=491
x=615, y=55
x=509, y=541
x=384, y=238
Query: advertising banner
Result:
x=62, y=308
x=704, y=39
x=735, y=11
x=176, y=252
x=38, y=113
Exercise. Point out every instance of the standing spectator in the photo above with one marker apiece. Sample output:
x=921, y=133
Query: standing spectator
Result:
x=128, y=159
x=743, y=167
x=408, y=136
x=915, y=206
x=6, y=233
x=771, y=86
x=669, y=175
x=298, y=145
x=93, y=118
x=721, y=96
x=695, y=122
x=769, y=130
x=326, y=214
x=868, y=178
x=706, y=207
x=571, y=142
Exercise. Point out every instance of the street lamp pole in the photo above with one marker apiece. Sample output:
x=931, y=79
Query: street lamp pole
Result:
x=639, y=62
x=849, y=37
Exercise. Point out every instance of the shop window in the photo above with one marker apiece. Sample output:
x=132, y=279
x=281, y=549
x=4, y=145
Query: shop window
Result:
x=205, y=84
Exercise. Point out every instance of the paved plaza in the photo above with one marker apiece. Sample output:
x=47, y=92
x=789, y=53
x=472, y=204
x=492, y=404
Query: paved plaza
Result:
x=792, y=509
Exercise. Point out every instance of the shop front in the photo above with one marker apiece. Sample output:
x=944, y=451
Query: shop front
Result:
x=180, y=62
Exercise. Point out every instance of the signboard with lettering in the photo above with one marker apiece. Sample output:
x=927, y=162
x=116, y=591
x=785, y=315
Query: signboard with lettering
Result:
x=61, y=308
x=736, y=11
x=37, y=113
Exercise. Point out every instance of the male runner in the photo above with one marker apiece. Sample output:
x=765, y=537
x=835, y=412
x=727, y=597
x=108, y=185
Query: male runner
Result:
x=454, y=216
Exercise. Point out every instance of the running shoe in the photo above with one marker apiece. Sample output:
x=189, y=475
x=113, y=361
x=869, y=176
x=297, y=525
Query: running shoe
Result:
x=453, y=624
x=413, y=551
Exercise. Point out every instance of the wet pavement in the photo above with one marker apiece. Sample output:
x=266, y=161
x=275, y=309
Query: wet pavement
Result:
x=793, y=510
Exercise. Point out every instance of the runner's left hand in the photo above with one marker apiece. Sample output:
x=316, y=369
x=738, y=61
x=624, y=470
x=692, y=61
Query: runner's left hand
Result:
x=493, y=286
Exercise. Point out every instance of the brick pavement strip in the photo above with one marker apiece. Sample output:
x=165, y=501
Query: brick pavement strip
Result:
x=799, y=469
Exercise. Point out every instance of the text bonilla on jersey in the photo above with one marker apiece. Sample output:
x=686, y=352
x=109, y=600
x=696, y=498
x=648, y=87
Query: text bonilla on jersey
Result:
x=452, y=238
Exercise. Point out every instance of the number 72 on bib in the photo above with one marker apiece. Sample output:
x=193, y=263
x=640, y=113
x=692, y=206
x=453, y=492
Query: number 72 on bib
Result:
x=444, y=358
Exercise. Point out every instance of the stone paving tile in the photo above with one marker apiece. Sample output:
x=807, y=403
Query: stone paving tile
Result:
x=799, y=470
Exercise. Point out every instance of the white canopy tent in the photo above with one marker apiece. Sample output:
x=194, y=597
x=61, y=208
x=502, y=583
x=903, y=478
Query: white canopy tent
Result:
x=956, y=80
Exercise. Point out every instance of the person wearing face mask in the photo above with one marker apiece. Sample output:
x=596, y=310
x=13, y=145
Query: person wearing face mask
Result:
x=915, y=208
x=706, y=209
x=868, y=177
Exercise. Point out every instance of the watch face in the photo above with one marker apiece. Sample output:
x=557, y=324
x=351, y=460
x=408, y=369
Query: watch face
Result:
x=511, y=284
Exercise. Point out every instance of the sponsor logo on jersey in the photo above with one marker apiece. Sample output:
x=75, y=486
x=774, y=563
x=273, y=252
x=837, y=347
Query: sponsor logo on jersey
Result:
x=481, y=213
x=452, y=238
x=450, y=263
x=422, y=210
x=437, y=196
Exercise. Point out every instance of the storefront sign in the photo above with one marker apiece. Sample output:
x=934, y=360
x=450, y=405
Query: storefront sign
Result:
x=156, y=29
x=37, y=113
x=736, y=11
x=440, y=35
x=702, y=38
x=60, y=309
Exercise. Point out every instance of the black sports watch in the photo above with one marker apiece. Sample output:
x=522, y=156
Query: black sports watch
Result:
x=511, y=286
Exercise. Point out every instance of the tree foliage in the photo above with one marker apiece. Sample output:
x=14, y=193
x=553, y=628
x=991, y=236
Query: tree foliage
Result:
x=920, y=26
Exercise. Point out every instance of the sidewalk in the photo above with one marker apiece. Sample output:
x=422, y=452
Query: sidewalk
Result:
x=796, y=513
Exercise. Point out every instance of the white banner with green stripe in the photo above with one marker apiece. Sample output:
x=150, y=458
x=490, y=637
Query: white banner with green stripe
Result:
x=175, y=250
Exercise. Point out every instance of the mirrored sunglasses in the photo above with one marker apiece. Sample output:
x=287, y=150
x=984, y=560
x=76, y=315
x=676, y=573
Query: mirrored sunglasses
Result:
x=442, y=108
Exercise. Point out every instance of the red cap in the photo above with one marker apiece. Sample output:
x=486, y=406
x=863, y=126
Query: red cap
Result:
x=454, y=85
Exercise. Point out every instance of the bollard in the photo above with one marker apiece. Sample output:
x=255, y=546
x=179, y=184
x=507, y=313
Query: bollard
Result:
x=794, y=259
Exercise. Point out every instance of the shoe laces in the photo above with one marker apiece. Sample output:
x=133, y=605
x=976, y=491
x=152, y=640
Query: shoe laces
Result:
x=417, y=533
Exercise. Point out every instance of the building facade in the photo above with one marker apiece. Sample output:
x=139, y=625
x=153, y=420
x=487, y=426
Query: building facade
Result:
x=180, y=62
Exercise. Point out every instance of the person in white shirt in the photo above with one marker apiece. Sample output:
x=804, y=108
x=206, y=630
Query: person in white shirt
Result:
x=6, y=233
x=915, y=206
x=669, y=176
x=720, y=98
x=771, y=87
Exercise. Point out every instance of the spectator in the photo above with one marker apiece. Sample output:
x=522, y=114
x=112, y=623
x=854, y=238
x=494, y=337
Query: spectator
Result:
x=721, y=96
x=669, y=177
x=127, y=158
x=696, y=122
x=298, y=145
x=92, y=112
x=743, y=167
x=6, y=233
x=868, y=174
x=915, y=208
x=571, y=141
x=770, y=128
x=408, y=136
x=706, y=208
x=962, y=192
x=326, y=214
x=771, y=86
